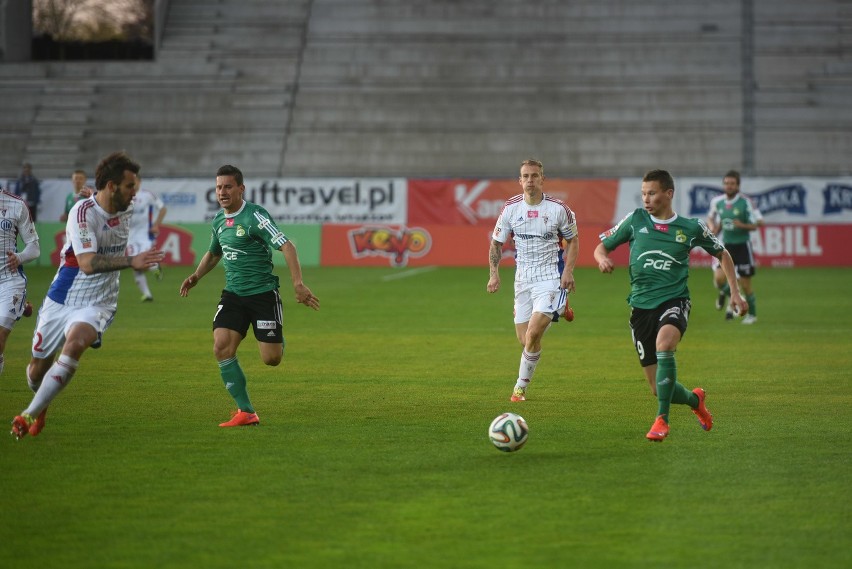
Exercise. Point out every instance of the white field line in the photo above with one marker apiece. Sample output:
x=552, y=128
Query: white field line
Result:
x=408, y=273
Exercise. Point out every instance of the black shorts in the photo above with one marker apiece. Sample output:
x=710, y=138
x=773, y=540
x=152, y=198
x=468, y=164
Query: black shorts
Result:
x=262, y=311
x=646, y=322
x=743, y=258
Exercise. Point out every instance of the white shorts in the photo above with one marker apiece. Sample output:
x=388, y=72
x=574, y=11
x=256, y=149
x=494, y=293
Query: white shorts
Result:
x=13, y=297
x=137, y=246
x=545, y=297
x=54, y=321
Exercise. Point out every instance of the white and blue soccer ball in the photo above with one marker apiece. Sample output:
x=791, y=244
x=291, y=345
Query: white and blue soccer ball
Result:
x=508, y=432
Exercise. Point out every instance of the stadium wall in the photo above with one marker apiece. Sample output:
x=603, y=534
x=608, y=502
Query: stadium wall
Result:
x=403, y=222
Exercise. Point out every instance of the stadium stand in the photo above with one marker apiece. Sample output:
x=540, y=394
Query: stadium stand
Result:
x=446, y=88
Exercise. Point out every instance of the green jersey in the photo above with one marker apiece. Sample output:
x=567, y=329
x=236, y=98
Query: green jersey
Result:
x=70, y=200
x=659, y=254
x=245, y=241
x=725, y=211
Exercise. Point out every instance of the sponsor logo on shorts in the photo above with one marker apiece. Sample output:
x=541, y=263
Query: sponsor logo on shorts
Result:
x=266, y=325
x=673, y=313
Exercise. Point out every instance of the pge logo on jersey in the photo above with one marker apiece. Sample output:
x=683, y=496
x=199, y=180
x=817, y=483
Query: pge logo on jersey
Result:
x=397, y=245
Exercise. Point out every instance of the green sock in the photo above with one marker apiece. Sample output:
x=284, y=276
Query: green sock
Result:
x=726, y=289
x=683, y=396
x=666, y=382
x=752, y=304
x=235, y=383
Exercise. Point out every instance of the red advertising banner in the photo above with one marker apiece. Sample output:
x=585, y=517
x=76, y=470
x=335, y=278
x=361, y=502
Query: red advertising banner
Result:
x=426, y=245
x=478, y=202
x=796, y=246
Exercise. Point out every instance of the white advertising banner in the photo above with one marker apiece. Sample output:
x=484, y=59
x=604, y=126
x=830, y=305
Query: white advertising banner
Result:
x=289, y=201
x=780, y=200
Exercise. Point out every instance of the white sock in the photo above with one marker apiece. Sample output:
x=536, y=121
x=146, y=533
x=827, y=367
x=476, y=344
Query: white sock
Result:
x=58, y=376
x=142, y=282
x=527, y=368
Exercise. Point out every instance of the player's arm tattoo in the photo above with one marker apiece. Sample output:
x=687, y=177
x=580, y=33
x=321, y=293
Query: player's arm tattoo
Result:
x=104, y=264
x=494, y=255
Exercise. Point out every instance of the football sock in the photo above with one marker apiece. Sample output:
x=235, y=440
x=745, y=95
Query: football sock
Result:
x=235, y=383
x=527, y=368
x=666, y=381
x=141, y=282
x=683, y=396
x=726, y=289
x=58, y=377
x=752, y=304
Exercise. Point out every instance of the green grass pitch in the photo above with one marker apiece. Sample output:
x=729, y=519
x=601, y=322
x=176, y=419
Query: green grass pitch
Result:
x=373, y=452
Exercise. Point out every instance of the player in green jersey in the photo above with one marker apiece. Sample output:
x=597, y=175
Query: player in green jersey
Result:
x=735, y=216
x=81, y=191
x=660, y=241
x=244, y=235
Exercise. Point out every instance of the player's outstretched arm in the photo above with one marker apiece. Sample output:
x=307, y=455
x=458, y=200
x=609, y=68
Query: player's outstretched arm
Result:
x=602, y=258
x=92, y=263
x=303, y=293
x=31, y=251
x=208, y=261
x=495, y=253
x=572, y=251
x=737, y=301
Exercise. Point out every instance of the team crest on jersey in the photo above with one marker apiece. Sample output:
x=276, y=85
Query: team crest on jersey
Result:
x=680, y=237
x=241, y=232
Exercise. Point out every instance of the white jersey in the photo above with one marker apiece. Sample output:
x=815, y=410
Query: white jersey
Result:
x=538, y=231
x=15, y=220
x=90, y=229
x=146, y=207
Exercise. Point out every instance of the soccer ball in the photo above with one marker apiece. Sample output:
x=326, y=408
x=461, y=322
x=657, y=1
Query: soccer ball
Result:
x=508, y=432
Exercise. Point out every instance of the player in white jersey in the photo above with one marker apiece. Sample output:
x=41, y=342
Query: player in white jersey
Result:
x=543, y=277
x=82, y=299
x=148, y=214
x=15, y=220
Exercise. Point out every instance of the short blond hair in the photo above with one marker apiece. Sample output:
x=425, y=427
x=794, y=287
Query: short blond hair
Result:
x=533, y=162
